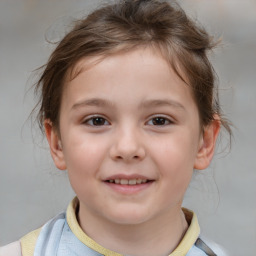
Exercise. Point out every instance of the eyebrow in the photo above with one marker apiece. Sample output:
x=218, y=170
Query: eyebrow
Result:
x=93, y=102
x=98, y=102
x=162, y=102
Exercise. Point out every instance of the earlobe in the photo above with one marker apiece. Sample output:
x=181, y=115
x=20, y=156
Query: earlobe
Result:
x=207, y=145
x=55, y=145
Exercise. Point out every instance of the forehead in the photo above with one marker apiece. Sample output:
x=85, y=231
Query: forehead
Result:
x=146, y=59
x=88, y=62
x=141, y=71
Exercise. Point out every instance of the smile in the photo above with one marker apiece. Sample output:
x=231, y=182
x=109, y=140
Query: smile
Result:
x=128, y=184
x=128, y=181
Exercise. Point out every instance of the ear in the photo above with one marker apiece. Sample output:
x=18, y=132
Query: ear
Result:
x=207, y=144
x=55, y=145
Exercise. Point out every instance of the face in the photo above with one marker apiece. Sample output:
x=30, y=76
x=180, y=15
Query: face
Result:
x=129, y=137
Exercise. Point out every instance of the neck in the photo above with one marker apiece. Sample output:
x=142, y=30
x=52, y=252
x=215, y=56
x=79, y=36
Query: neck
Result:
x=159, y=236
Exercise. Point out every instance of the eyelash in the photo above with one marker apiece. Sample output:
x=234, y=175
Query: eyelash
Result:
x=90, y=121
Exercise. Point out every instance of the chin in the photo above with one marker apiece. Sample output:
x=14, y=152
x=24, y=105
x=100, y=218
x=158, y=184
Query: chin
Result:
x=129, y=216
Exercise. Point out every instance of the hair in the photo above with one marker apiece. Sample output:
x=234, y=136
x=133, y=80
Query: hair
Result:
x=123, y=26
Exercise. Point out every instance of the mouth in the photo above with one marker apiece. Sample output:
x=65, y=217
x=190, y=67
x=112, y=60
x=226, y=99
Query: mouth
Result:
x=128, y=185
x=131, y=182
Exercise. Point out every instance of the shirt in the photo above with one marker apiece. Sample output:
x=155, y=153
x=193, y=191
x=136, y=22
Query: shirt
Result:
x=63, y=236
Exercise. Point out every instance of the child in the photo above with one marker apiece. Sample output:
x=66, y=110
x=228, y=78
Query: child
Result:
x=128, y=108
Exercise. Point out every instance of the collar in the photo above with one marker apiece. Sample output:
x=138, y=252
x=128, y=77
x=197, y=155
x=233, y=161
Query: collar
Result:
x=184, y=246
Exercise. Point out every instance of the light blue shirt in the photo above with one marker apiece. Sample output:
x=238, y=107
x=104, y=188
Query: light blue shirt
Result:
x=56, y=238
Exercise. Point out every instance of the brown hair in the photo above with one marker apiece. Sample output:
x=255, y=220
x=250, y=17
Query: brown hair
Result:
x=122, y=26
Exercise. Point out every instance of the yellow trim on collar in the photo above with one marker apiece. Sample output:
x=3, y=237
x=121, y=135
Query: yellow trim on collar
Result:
x=79, y=233
x=191, y=235
x=28, y=242
x=185, y=245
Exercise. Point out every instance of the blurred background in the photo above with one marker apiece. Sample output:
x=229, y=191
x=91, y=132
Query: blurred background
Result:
x=32, y=190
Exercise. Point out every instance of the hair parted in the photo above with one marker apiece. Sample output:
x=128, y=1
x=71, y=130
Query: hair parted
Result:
x=123, y=26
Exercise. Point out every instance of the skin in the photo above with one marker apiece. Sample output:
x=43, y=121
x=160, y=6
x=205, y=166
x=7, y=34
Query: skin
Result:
x=148, y=127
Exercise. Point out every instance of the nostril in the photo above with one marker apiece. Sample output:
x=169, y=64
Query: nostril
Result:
x=128, y=153
x=122, y=158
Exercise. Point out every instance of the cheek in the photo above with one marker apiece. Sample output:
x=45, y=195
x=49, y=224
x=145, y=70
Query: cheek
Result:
x=176, y=149
x=83, y=157
x=174, y=157
x=83, y=150
x=82, y=168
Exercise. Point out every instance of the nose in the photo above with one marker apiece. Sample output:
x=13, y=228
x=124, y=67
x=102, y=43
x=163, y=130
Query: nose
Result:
x=127, y=146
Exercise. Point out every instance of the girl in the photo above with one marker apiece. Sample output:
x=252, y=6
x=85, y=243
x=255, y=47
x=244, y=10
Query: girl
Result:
x=128, y=108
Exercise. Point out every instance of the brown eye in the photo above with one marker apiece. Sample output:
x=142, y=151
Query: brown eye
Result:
x=96, y=121
x=160, y=121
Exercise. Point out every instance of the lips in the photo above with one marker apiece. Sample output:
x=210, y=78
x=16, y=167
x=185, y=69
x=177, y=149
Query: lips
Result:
x=131, y=182
x=124, y=179
x=128, y=184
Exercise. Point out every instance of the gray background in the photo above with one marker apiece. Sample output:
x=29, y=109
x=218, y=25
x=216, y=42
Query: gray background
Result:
x=32, y=190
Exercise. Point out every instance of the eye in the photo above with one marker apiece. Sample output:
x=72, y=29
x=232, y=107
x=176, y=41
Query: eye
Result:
x=96, y=121
x=159, y=121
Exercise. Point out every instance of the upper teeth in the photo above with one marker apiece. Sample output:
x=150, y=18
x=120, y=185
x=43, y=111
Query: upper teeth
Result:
x=128, y=182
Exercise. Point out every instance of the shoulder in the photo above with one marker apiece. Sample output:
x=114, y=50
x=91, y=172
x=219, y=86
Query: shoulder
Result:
x=217, y=248
x=53, y=229
x=26, y=245
x=194, y=243
x=13, y=249
x=23, y=247
x=203, y=248
x=28, y=242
